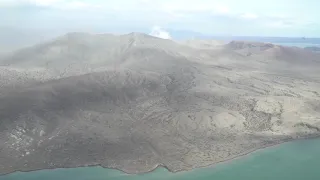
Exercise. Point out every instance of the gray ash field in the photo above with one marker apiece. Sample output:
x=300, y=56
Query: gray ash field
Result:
x=134, y=102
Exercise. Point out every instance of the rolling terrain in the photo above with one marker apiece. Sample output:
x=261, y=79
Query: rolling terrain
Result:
x=134, y=102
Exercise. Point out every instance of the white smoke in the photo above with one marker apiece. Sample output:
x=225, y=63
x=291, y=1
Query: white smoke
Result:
x=160, y=33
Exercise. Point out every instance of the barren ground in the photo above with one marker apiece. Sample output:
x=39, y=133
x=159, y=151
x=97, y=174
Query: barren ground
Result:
x=134, y=102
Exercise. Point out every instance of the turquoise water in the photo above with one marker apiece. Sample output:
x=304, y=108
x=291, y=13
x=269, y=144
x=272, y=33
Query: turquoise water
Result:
x=298, y=160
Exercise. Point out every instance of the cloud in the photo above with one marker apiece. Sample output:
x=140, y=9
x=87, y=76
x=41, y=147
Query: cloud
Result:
x=249, y=16
x=55, y=4
x=78, y=5
x=160, y=33
x=172, y=6
x=277, y=21
x=206, y=16
x=193, y=6
x=8, y=3
x=221, y=9
x=277, y=24
x=44, y=2
x=12, y=3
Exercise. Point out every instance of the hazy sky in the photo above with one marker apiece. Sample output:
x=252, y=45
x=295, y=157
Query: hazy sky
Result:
x=216, y=17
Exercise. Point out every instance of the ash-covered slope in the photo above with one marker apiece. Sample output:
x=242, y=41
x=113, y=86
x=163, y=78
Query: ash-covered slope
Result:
x=83, y=48
x=134, y=102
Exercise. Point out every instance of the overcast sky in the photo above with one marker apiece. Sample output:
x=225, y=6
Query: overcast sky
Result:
x=214, y=17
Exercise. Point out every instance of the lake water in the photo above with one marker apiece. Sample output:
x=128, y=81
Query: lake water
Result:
x=297, y=160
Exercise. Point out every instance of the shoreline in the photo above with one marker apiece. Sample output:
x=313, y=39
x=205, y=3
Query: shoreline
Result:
x=247, y=153
x=232, y=158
